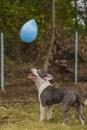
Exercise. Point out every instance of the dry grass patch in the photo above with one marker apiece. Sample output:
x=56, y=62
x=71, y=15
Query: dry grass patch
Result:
x=26, y=117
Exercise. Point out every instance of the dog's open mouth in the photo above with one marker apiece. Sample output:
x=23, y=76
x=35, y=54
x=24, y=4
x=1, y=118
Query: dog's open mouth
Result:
x=32, y=76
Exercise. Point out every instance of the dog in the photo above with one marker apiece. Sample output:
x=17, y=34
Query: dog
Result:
x=49, y=95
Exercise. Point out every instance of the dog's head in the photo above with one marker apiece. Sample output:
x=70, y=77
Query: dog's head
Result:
x=39, y=74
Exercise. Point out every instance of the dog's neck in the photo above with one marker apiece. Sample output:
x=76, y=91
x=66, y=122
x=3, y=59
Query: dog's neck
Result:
x=42, y=83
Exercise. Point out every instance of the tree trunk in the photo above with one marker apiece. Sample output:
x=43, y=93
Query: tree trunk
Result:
x=52, y=39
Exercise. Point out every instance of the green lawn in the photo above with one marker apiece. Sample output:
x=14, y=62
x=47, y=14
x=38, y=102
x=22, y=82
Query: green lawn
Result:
x=26, y=117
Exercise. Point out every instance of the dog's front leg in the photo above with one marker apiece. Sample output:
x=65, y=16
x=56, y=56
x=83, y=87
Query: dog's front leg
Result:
x=42, y=112
x=49, y=112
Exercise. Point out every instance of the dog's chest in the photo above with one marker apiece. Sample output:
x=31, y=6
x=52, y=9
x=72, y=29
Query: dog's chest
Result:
x=42, y=88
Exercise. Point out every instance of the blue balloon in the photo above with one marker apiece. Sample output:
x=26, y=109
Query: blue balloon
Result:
x=29, y=31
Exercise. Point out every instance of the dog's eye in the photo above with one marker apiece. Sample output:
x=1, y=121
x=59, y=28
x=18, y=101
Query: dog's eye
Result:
x=41, y=73
x=38, y=71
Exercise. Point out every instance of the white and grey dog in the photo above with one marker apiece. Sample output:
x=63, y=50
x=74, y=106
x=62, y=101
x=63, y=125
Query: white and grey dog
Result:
x=49, y=95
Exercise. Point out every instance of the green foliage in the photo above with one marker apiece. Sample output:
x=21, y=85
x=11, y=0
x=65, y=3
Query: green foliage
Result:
x=66, y=14
x=63, y=12
x=13, y=14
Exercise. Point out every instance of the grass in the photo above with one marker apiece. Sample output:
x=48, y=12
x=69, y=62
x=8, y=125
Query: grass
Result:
x=26, y=117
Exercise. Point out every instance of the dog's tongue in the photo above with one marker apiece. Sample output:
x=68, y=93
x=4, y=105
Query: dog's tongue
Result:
x=32, y=76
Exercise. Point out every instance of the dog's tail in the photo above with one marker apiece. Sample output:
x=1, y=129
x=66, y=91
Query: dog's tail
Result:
x=79, y=99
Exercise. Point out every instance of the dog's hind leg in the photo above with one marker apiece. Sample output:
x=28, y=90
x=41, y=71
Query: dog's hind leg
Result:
x=49, y=113
x=65, y=110
x=79, y=110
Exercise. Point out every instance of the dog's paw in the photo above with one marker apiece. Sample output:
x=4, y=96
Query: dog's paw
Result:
x=63, y=123
x=50, y=119
x=83, y=123
x=41, y=119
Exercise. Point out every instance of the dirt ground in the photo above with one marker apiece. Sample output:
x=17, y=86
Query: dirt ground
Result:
x=18, y=88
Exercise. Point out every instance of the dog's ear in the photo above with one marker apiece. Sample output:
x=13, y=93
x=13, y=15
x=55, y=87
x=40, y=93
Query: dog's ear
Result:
x=48, y=77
